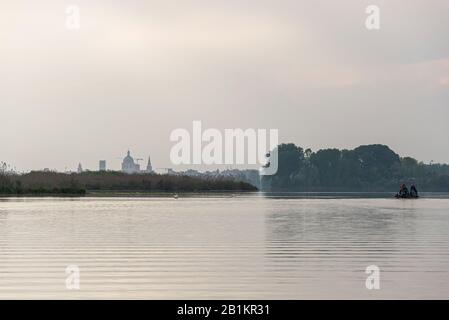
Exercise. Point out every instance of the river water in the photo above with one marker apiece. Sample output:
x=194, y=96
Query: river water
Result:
x=212, y=247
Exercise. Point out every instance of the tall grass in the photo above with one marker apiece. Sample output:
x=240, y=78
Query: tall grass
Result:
x=38, y=182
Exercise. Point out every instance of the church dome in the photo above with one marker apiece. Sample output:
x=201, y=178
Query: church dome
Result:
x=128, y=159
x=128, y=164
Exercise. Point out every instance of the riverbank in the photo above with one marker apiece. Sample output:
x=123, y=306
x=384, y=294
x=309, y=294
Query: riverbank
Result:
x=61, y=184
x=134, y=194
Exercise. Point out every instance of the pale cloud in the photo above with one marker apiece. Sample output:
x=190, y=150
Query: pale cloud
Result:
x=444, y=81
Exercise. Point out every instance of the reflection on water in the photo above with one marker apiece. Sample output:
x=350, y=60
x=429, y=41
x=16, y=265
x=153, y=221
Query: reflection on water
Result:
x=221, y=247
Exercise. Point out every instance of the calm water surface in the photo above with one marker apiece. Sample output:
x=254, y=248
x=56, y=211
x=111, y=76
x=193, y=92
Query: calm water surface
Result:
x=222, y=247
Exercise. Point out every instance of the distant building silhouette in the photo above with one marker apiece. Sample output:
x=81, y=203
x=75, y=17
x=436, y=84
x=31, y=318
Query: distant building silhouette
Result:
x=102, y=165
x=80, y=168
x=149, y=166
x=128, y=164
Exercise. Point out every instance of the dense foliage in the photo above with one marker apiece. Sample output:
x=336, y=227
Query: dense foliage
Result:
x=366, y=168
x=59, y=183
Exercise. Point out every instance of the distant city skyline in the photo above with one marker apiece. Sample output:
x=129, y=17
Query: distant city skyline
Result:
x=135, y=71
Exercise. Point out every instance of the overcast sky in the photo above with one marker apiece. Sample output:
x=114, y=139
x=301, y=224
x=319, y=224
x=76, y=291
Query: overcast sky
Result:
x=136, y=70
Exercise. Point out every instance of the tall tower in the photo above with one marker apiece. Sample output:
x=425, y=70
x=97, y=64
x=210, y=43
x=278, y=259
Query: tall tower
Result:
x=102, y=165
x=80, y=168
x=149, y=167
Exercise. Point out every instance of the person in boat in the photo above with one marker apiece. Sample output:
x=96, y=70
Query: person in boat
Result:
x=403, y=192
x=413, y=191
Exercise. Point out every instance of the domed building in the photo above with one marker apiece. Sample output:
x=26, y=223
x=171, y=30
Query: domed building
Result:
x=128, y=164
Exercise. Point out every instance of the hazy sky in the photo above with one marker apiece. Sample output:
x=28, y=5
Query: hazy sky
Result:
x=136, y=70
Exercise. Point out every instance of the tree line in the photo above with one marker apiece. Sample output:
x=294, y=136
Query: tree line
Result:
x=365, y=168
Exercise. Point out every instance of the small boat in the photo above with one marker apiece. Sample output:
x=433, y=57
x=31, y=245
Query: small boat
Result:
x=404, y=193
x=409, y=196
